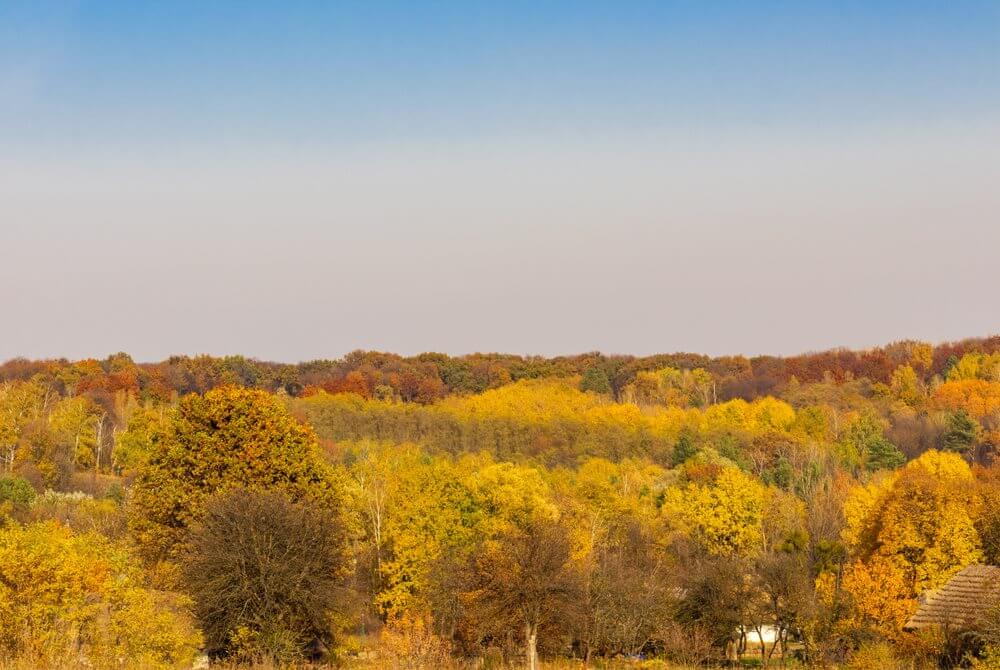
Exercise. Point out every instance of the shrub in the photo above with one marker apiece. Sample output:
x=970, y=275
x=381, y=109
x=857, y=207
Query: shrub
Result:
x=80, y=512
x=875, y=656
x=16, y=494
x=409, y=643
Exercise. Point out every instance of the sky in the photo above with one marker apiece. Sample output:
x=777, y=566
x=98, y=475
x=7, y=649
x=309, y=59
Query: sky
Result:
x=296, y=180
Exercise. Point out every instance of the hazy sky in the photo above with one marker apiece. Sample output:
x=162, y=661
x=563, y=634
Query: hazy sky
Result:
x=293, y=180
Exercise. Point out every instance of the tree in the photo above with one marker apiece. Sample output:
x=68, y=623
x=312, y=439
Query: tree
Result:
x=906, y=386
x=684, y=449
x=962, y=432
x=785, y=597
x=228, y=438
x=524, y=579
x=865, y=443
x=724, y=515
x=16, y=494
x=718, y=597
x=265, y=575
x=919, y=518
x=879, y=597
x=629, y=593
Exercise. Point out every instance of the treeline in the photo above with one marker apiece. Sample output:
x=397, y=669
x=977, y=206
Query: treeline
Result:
x=431, y=376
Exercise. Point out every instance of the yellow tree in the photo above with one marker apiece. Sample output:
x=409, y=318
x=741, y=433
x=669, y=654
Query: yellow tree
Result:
x=906, y=386
x=424, y=514
x=74, y=422
x=919, y=519
x=724, y=514
x=878, y=595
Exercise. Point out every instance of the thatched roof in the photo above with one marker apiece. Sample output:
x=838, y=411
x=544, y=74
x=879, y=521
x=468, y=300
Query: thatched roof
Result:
x=961, y=602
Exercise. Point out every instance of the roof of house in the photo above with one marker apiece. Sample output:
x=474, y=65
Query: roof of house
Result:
x=962, y=601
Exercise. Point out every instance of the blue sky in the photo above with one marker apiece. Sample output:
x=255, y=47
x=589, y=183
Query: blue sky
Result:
x=331, y=72
x=542, y=177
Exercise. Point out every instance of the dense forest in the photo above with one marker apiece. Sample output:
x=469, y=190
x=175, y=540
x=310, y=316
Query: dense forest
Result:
x=490, y=510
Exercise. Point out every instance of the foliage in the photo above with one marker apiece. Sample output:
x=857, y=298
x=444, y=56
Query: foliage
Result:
x=81, y=512
x=875, y=656
x=64, y=594
x=523, y=581
x=663, y=505
x=866, y=444
x=880, y=596
x=961, y=433
x=16, y=494
x=724, y=514
x=409, y=643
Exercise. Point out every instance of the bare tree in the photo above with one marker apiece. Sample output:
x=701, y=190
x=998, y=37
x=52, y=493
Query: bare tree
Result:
x=265, y=575
x=525, y=579
x=629, y=594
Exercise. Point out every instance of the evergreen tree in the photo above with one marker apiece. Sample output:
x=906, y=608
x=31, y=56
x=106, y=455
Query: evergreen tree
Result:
x=962, y=432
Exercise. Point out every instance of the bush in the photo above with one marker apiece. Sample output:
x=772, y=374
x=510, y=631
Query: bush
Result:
x=80, y=512
x=989, y=661
x=875, y=656
x=16, y=490
x=409, y=643
x=16, y=494
x=685, y=644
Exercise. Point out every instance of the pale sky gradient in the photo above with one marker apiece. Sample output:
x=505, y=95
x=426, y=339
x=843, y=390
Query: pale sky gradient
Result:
x=295, y=183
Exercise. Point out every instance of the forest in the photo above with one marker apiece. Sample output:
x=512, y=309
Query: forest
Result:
x=498, y=511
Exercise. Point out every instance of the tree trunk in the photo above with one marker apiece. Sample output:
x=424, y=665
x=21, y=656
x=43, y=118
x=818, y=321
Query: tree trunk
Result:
x=531, y=645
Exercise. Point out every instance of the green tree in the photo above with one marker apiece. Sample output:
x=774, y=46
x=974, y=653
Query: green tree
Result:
x=962, y=432
x=865, y=443
x=884, y=455
x=684, y=449
x=16, y=494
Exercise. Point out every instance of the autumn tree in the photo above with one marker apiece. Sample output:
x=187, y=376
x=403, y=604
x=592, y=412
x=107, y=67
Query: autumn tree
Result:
x=720, y=508
x=919, y=519
x=228, y=438
x=783, y=598
x=631, y=590
x=717, y=597
x=524, y=580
